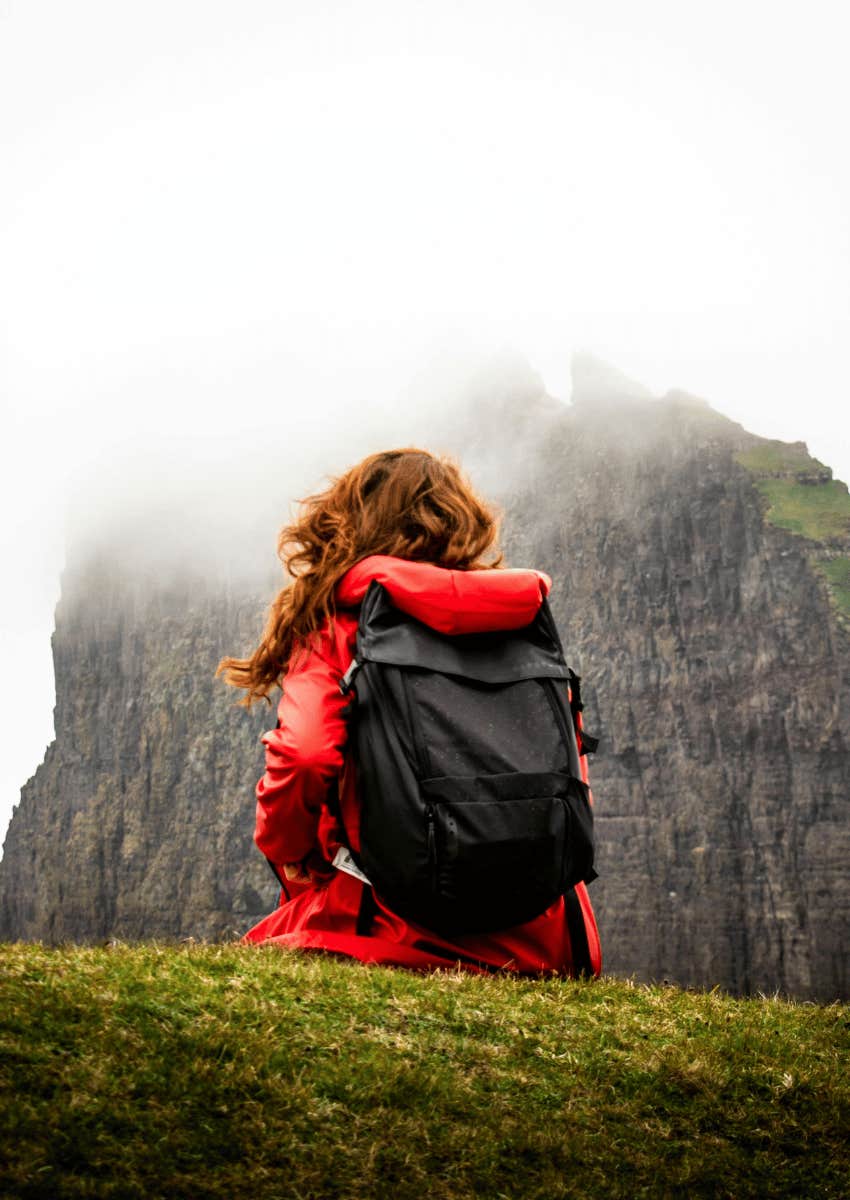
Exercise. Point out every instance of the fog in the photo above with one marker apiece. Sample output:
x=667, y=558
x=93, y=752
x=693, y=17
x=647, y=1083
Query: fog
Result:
x=241, y=246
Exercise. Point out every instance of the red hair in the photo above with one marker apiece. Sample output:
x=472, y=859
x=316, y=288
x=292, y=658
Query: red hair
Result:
x=407, y=503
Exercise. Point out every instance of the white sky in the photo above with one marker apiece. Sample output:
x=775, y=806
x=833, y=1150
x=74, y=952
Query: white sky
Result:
x=216, y=216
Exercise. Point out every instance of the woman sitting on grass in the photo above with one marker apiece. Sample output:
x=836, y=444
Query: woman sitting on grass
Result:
x=409, y=520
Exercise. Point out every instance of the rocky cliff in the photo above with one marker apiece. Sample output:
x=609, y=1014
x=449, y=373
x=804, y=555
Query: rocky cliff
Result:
x=714, y=644
x=703, y=593
x=138, y=823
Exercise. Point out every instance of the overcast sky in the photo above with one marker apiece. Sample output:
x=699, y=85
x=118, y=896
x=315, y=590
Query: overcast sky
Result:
x=216, y=216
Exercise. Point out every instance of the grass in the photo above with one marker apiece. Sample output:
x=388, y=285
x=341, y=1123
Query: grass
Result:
x=779, y=458
x=837, y=571
x=819, y=511
x=228, y=1071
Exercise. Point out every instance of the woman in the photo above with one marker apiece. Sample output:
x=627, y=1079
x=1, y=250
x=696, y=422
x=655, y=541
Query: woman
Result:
x=411, y=521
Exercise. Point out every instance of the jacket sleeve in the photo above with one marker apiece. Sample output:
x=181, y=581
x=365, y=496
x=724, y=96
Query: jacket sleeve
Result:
x=303, y=757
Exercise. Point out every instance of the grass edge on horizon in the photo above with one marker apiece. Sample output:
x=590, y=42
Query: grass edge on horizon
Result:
x=237, y=1055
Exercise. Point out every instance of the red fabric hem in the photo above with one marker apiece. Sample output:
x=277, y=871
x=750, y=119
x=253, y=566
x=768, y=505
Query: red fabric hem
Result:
x=379, y=952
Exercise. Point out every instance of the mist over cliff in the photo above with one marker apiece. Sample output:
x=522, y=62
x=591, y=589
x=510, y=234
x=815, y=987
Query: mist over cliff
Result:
x=702, y=589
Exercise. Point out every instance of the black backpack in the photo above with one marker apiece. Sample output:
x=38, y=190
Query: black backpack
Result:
x=474, y=816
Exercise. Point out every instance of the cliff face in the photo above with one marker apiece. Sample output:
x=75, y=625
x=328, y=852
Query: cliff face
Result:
x=715, y=655
x=711, y=633
x=138, y=823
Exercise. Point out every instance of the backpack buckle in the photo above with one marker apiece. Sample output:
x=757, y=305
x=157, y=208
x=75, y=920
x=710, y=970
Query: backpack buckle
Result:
x=347, y=681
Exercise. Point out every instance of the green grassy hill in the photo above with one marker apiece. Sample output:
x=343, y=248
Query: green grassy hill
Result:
x=225, y=1071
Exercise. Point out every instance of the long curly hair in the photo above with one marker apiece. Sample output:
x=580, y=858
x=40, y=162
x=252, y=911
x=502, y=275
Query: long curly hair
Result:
x=407, y=503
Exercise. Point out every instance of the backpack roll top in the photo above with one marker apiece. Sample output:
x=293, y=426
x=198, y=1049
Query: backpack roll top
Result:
x=474, y=816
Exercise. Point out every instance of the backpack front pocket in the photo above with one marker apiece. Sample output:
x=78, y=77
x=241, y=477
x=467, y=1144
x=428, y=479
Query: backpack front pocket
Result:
x=503, y=847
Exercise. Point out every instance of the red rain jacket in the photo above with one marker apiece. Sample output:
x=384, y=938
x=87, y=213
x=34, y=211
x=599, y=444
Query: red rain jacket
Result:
x=307, y=755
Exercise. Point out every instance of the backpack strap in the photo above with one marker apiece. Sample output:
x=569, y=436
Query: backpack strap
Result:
x=579, y=946
x=366, y=912
x=589, y=744
x=575, y=695
x=347, y=681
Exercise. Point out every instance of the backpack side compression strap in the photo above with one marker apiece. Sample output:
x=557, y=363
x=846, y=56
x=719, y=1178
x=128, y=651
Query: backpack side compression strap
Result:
x=589, y=743
x=582, y=965
x=366, y=912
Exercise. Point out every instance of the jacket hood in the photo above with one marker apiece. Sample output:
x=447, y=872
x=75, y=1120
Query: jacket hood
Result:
x=450, y=601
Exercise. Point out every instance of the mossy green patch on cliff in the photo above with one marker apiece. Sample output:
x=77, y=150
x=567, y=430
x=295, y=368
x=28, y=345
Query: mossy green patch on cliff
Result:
x=818, y=511
x=780, y=458
x=801, y=493
x=803, y=498
x=228, y=1071
x=837, y=571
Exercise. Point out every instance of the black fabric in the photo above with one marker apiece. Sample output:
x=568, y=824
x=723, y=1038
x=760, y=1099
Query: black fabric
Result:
x=366, y=912
x=578, y=935
x=500, y=727
x=474, y=817
x=589, y=744
x=388, y=635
